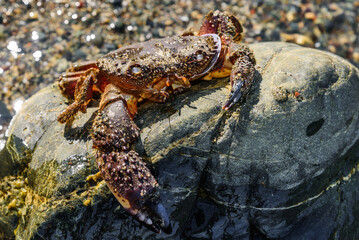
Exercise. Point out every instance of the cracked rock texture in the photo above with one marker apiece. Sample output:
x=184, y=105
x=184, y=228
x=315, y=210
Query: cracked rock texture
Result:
x=281, y=165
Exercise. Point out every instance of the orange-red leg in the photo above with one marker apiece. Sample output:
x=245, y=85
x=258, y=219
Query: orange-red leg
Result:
x=68, y=80
x=82, y=95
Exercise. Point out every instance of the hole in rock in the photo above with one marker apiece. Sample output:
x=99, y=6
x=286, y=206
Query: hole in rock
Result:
x=314, y=127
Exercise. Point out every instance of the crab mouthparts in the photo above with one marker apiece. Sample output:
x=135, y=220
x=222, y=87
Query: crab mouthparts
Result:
x=218, y=46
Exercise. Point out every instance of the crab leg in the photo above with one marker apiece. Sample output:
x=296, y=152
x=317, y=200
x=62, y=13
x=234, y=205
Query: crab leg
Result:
x=242, y=74
x=224, y=24
x=82, y=95
x=123, y=169
x=241, y=59
x=68, y=80
x=83, y=66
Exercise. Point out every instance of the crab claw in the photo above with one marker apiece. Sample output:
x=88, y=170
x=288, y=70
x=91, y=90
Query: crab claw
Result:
x=123, y=170
x=158, y=210
x=145, y=206
x=153, y=215
x=242, y=74
x=234, y=96
x=224, y=24
x=133, y=185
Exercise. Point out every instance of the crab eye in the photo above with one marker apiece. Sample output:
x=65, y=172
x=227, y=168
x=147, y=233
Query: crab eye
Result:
x=199, y=57
x=136, y=70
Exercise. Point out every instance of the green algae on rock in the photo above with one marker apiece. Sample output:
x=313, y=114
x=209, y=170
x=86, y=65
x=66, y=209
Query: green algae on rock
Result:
x=276, y=169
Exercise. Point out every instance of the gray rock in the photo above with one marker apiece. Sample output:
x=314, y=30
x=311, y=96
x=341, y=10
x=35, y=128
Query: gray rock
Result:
x=5, y=117
x=282, y=164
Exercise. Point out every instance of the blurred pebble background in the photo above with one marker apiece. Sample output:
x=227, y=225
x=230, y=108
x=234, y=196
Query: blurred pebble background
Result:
x=40, y=39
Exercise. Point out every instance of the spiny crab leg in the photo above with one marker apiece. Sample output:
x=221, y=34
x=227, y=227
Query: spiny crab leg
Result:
x=242, y=74
x=82, y=94
x=69, y=79
x=83, y=66
x=123, y=169
x=68, y=82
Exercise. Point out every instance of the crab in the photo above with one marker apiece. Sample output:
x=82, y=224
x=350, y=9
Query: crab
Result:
x=151, y=70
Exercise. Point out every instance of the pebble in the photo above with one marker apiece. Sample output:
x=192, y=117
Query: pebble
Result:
x=61, y=65
x=356, y=55
x=5, y=118
x=119, y=25
x=79, y=54
x=310, y=16
x=98, y=40
x=298, y=39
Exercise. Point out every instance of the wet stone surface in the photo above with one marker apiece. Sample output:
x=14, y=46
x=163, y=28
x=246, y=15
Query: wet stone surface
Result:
x=5, y=118
x=266, y=169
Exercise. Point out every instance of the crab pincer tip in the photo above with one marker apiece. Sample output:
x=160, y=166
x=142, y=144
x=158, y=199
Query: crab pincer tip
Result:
x=234, y=97
x=225, y=107
x=153, y=216
x=161, y=216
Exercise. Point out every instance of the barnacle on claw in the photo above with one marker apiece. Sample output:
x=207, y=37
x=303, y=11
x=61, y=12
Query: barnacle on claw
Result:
x=151, y=70
x=123, y=169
